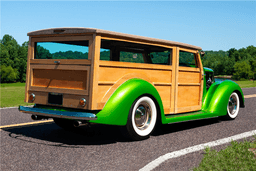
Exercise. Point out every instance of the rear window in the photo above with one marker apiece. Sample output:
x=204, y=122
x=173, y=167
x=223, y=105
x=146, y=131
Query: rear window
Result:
x=62, y=50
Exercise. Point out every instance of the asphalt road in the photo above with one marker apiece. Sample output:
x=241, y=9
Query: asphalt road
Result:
x=101, y=147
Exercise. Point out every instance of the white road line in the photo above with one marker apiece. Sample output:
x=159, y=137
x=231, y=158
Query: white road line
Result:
x=161, y=159
x=249, y=96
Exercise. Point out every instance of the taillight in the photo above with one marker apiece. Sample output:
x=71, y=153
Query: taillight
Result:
x=82, y=102
x=32, y=97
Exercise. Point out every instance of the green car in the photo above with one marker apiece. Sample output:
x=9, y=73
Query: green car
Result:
x=81, y=75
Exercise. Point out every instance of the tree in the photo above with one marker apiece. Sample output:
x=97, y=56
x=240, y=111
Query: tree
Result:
x=8, y=74
x=242, y=70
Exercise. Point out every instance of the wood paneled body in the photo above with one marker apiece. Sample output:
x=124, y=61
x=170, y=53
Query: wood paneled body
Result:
x=69, y=77
x=189, y=86
x=180, y=88
x=112, y=74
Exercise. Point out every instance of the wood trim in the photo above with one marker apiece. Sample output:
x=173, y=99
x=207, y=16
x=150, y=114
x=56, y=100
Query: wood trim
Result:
x=121, y=81
x=62, y=61
x=189, y=69
x=189, y=84
x=94, y=72
x=106, y=83
x=28, y=70
x=176, y=79
x=188, y=109
x=58, y=90
x=189, y=50
x=90, y=55
x=61, y=38
x=135, y=41
x=64, y=67
x=135, y=65
x=161, y=84
x=202, y=78
x=57, y=67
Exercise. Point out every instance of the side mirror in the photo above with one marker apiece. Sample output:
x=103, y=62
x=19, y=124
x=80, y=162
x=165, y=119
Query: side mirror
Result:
x=202, y=54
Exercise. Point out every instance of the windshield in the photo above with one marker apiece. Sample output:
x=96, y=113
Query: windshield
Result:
x=62, y=50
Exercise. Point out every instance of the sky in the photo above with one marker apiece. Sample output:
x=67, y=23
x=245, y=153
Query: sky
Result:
x=212, y=25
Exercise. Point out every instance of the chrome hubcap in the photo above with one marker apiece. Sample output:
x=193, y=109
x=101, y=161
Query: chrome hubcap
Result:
x=143, y=116
x=232, y=104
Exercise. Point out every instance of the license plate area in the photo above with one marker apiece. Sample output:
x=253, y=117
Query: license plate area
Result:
x=55, y=98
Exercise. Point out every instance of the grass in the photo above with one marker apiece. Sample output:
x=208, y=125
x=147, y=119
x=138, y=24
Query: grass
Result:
x=12, y=95
x=246, y=84
x=235, y=157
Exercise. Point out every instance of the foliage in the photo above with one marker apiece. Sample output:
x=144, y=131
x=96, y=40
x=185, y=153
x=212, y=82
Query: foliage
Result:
x=8, y=74
x=13, y=60
x=234, y=157
x=239, y=63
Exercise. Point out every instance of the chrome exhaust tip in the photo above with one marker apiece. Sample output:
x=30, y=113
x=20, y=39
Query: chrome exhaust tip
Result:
x=79, y=123
x=36, y=117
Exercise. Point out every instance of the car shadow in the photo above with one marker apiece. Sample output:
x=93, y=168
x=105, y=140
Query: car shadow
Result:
x=181, y=126
x=95, y=134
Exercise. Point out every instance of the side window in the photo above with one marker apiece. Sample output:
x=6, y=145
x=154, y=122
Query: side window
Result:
x=104, y=54
x=112, y=50
x=161, y=57
x=131, y=57
x=187, y=59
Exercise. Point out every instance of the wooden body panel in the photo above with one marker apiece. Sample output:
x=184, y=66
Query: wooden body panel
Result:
x=71, y=77
x=112, y=74
x=69, y=100
x=180, y=88
x=189, y=86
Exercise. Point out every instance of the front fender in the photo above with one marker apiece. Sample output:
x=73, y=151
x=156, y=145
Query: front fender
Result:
x=216, y=99
x=116, y=110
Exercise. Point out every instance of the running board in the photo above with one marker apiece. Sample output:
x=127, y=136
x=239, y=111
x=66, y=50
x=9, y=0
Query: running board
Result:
x=174, y=118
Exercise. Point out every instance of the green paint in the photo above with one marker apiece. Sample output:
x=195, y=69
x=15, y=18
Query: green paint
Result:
x=116, y=110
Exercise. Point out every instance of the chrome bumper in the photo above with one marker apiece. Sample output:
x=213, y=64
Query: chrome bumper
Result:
x=58, y=114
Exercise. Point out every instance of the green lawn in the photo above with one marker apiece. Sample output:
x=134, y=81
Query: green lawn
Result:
x=235, y=157
x=246, y=84
x=12, y=95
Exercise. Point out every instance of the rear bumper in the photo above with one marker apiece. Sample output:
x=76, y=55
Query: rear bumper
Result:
x=58, y=114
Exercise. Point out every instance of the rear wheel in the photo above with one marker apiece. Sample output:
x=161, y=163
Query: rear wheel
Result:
x=64, y=123
x=233, y=106
x=141, y=119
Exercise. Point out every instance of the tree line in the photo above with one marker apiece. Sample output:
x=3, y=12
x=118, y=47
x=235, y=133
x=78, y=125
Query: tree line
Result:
x=241, y=63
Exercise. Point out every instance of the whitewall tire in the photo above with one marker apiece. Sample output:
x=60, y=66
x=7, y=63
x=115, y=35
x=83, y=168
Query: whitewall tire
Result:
x=142, y=118
x=233, y=106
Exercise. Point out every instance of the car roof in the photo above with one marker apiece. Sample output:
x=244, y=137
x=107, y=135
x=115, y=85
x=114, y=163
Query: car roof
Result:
x=82, y=30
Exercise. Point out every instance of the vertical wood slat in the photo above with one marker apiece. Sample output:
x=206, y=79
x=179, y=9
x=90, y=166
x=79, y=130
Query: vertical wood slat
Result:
x=94, y=70
x=28, y=70
x=176, y=80
x=174, y=59
x=202, y=80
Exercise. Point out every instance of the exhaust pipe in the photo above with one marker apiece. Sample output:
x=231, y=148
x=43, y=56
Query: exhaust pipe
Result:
x=79, y=123
x=36, y=117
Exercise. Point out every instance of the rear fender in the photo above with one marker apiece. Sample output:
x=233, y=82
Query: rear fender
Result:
x=116, y=110
x=216, y=99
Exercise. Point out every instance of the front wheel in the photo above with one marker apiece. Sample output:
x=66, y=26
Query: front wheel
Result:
x=233, y=106
x=142, y=118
